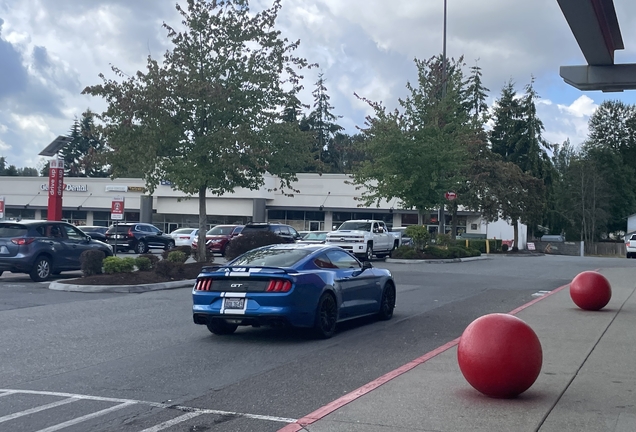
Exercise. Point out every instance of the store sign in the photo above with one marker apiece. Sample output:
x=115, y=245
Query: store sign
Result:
x=117, y=208
x=66, y=187
x=116, y=188
x=136, y=189
x=1, y=207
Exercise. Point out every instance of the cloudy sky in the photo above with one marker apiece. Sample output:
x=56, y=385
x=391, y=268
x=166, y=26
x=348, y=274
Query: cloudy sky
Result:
x=51, y=49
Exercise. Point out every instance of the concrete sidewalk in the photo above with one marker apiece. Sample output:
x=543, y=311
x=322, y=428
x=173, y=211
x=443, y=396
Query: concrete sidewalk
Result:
x=587, y=381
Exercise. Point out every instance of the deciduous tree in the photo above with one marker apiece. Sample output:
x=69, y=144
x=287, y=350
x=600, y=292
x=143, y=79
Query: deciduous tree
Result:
x=211, y=116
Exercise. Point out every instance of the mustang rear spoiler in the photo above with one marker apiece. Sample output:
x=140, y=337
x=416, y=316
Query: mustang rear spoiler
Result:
x=235, y=270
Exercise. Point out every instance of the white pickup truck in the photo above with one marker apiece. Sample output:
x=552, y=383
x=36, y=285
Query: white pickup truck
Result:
x=364, y=238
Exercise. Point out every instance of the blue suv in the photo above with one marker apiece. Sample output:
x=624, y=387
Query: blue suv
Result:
x=43, y=248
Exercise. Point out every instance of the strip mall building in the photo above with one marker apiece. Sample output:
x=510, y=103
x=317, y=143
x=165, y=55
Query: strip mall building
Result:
x=324, y=201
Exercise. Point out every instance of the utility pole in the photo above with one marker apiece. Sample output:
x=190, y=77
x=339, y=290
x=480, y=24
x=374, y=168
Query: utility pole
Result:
x=441, y=216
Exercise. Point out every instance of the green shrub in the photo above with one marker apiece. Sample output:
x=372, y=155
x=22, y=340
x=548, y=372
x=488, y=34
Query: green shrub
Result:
x=177, y=257
x=443, y=240
x=119, y=265
x=406, y=252
x=438, y=252
x=187, y=250
x=143, y=263
x=91, y=262
x=154, y=259
x=480, y=244
x=246, y=242
x=169, y=269
x=209, y=256
x=419, y=234
x=112, y=265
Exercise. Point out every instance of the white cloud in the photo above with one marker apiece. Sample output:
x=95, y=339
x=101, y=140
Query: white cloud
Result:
x=582, y=107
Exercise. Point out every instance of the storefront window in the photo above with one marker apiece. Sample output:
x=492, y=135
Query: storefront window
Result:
x=409, y=219
x=74, y=217
x=19, y=214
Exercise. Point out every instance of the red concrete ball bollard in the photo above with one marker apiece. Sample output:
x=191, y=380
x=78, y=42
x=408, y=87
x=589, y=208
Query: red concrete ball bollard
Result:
x=500, y=355
x=590, y=290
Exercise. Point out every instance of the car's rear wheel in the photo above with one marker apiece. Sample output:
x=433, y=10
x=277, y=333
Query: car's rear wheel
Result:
x=41, y=269
x=170, y=245
x=326, y=317
x=141, y=247
x=387, y=304
x=220, y=327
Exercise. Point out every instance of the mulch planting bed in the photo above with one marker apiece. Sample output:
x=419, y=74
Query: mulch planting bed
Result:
x=190, y=271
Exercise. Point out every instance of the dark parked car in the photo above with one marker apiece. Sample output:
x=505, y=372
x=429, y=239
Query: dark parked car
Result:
x=138, y=237
x=43, y=248
x=302, y=285
x=287, y=233
x=218, y=237
x=96, y=232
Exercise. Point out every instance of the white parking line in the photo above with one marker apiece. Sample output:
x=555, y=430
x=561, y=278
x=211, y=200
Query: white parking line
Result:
x=191, y=412
x=37, y=409
x=86, y=417
x=173, y=422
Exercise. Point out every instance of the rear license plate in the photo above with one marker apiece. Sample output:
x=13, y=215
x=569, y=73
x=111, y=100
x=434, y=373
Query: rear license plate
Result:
x=4, y=250
x=235, y=303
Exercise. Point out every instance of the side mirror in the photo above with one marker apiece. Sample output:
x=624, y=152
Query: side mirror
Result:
x=88, y=239
x=366, y=265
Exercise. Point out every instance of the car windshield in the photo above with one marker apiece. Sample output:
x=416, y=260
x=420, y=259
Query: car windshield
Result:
x=315, y=236
x=119, y=228
x=12, y=230
x=221, y=230
x=271, y=257
x=355, y=226
x=183, y=231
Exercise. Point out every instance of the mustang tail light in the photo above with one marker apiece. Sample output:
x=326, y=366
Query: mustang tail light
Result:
x=23, y=241
x=204, y=284
x=279, y=285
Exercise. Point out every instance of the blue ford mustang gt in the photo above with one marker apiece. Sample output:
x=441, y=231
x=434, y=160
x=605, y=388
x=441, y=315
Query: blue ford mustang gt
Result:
x=302, y=285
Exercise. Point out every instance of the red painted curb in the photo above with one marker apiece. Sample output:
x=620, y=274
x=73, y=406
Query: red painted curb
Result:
x=324, y=411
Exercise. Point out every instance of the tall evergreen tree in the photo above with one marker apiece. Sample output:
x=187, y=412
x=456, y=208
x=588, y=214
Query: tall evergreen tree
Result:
x=84, y=156
x=321, y=119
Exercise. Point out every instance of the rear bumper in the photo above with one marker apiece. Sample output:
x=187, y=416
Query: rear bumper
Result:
x=16, y=264
x=261, y=309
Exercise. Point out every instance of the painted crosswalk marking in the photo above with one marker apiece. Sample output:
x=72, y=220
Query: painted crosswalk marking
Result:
x=190, y=412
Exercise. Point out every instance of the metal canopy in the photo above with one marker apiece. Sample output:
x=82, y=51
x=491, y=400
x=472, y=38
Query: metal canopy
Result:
x=595, y=27
x=55, y=146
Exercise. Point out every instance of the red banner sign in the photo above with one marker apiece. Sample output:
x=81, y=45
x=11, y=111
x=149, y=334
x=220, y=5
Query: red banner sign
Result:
x=450, y=196
x=1, y=207
x=56, y=189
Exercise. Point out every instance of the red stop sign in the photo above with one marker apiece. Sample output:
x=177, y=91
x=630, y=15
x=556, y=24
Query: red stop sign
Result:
x=450, y=195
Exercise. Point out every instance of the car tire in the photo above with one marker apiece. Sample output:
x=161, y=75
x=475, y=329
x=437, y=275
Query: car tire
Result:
x=41, y=270
x=387, y=303
x=169, y=246
x=141, y=247
x=369, y=255
x=221, y=328
x=326, y=317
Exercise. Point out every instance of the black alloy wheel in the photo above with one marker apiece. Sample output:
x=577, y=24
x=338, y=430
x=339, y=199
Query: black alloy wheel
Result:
x=387, y=304
x=141, y=247
x=326, y=317
x=170, y=245
x=41, y=270
x=221, y=328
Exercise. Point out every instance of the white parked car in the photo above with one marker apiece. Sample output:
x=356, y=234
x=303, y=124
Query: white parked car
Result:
x=184, y=236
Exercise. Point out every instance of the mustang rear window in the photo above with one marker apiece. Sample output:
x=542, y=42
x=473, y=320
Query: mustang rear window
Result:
x=12, y=230
x=271, y=257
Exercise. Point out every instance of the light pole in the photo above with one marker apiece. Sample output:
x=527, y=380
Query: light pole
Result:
x=441, y=216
